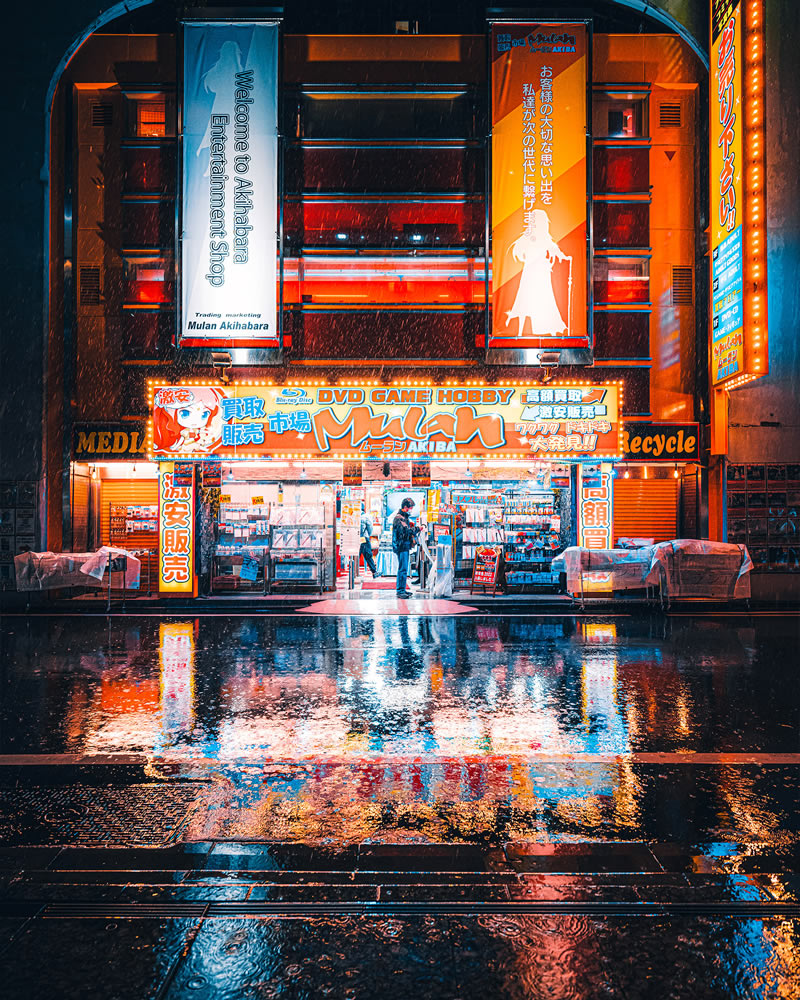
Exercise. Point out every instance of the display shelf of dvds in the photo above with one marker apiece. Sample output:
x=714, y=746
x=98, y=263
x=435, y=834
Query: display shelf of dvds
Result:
x=530, y=541
x=241, y=554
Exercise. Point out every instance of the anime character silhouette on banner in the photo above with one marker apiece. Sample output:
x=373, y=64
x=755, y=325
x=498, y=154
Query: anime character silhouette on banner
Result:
x=187, y=420
x=535, y=302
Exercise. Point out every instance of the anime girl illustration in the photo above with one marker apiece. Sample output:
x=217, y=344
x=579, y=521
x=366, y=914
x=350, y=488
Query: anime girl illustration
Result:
x=188, y=421
x=535, y=301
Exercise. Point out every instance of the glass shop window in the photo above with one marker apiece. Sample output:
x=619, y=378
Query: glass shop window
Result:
x=150, y=116
x=145, y=333
x=148, y=168
x=148, y=223
x=385, y=116
x=385, y=223
x=149, y=281
x=396, y=170
x=620, y=334
x=621, y=169
x=621, y=224
x=621, y=280
x=619, y=115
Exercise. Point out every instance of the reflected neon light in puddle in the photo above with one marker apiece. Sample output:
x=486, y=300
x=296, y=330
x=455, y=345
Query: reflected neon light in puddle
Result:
x=176, y=674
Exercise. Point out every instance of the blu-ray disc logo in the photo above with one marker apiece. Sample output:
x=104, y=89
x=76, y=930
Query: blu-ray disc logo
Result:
x=292, y=397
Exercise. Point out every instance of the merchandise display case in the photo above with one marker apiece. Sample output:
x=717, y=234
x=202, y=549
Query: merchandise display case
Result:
x=134, y=527
x=297, y=547
x=530, y=541
x=240, y=560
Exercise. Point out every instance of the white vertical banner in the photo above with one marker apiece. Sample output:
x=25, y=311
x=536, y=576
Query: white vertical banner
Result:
x=230, y=185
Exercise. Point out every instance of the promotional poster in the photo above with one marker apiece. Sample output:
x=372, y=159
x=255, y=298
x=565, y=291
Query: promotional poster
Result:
x=539, y=190
x=230, y=166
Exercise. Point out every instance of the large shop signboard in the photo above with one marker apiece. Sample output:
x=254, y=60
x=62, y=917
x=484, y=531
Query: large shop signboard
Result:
x=254, y=420
x=727, y=195
x=539, y=192
x=230, y=191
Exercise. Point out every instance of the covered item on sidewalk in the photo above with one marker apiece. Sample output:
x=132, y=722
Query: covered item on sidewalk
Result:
x=691, y=567
x=626, y=569
x=52, y=570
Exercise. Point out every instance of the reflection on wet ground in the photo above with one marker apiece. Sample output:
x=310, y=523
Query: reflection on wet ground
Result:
x=437, y=729
x=346, y=688
x=408, y=806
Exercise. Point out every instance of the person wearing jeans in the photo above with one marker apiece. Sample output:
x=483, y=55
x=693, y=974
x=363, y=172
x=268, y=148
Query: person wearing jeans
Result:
x=366, y=543
x=404, y=535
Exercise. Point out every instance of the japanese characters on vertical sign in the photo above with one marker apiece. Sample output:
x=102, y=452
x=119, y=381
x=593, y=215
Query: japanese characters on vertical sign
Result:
x=539, y=189
x=175, y=533
x=739, y=330
x=595, y=513
x=176, y=675
x=230, y=191
x=727, y=202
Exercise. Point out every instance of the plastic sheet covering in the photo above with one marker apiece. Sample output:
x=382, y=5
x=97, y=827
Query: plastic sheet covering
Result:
x=695, y=568
x=51, y=570
x=635, y=543
x=440, y=575
x=627, y=568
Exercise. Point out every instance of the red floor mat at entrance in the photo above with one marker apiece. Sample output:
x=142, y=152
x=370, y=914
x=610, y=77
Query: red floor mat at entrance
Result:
x=380, y=584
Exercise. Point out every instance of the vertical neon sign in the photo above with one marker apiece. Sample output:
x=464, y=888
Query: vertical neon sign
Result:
x=738, y=348
x=175, y=533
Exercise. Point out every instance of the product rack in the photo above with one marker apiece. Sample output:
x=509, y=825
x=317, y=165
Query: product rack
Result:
x=530, y=542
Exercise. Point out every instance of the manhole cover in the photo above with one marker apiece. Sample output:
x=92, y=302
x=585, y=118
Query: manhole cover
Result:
x=82, y=815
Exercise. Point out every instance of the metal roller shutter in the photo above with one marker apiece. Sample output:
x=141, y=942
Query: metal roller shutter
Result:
x=80, y=512
x=646, y=508
x=133, y=492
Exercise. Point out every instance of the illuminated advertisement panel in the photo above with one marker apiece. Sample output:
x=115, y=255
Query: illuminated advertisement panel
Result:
x=252, y=420
x=727, y=201
x=230, y=190
x=596, y=514
x=175, y=533
x=738, y=348
x=539, y=192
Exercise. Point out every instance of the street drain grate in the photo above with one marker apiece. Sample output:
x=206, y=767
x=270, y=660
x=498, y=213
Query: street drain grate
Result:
x=750, y=910
x=144, y=815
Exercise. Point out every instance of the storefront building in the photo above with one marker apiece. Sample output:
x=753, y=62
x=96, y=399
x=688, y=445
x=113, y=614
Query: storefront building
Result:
x=477, y=260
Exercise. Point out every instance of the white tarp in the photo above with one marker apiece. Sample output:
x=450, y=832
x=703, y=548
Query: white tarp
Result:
x=684, y=568
x=52, y=570
x=691, y=567
x=627, y=568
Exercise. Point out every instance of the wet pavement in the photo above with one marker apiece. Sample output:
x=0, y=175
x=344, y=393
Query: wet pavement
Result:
x=315, y=804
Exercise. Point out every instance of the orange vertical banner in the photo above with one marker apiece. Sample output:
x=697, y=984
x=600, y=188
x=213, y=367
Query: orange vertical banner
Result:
x=539, y=192
x=175, y=531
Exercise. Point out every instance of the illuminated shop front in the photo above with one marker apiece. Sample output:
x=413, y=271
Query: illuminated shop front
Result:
x=402, y=303
x=272, y=480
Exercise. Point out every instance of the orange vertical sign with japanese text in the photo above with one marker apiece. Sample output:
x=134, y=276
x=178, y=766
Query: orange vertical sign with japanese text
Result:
x=727, y=196
x=175, y=533
x=539, y=191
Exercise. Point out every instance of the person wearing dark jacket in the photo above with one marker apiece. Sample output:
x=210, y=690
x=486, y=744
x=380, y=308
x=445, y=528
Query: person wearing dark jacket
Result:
x=365, y=550
x=404, y=537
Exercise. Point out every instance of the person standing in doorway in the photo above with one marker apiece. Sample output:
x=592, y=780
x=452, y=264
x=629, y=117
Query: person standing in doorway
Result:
x=365, y=550
x=404, y=538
